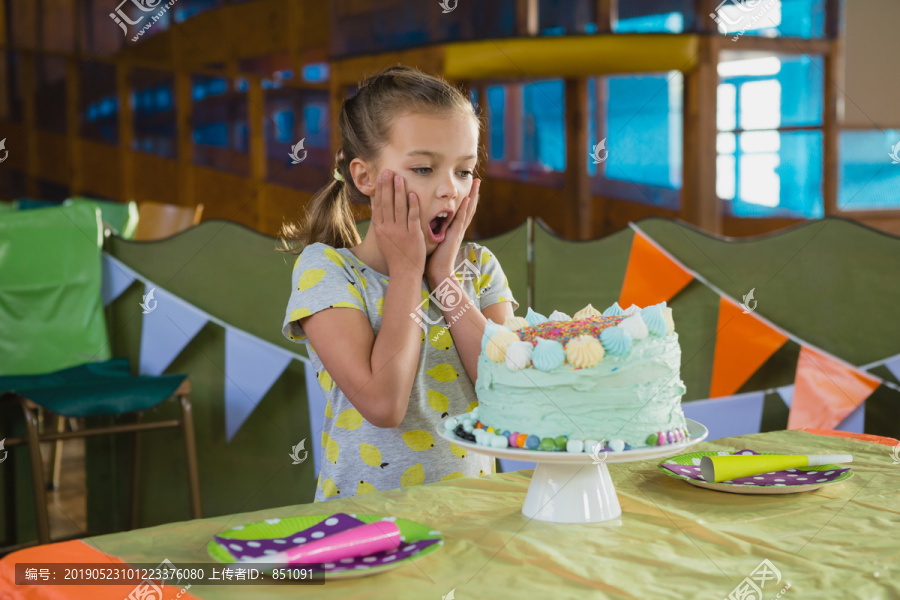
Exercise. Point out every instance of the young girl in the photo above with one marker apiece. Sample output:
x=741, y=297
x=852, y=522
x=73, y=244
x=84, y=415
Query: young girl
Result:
x=375, y=312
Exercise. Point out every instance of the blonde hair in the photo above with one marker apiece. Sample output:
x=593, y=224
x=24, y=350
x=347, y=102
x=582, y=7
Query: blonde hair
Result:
x=366, y=120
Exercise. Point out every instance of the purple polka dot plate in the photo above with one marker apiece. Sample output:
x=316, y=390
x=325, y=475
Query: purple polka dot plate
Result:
x=256, y=540
x=789, y=481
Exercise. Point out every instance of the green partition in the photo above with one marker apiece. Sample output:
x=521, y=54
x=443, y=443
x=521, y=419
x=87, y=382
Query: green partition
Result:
x=121, y=217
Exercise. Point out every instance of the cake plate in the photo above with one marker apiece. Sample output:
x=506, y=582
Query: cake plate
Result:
x=570, y=487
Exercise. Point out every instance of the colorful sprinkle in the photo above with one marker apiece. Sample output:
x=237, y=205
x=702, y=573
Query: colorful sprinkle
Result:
x=563, y=331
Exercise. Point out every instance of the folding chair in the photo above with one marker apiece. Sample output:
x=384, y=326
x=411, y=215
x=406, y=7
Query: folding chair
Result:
x=54, y=351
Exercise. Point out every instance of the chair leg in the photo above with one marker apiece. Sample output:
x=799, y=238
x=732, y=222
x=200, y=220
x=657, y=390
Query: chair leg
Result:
x=56, y=455
x=190, y=447
x=37, y=473
x=134, y=511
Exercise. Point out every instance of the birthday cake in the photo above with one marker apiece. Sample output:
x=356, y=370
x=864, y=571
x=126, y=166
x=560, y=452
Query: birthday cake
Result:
x=608, y=381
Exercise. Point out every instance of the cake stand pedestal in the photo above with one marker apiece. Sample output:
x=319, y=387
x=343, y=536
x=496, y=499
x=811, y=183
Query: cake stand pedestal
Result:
x=576, y=488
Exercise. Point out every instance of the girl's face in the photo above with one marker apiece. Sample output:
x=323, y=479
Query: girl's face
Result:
x=436, y=158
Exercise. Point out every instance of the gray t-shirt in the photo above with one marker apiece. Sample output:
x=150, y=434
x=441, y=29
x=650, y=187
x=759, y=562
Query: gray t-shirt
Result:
x=358, y=456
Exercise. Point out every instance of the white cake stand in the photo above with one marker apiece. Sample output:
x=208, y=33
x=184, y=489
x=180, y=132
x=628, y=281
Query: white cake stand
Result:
x=570, y=487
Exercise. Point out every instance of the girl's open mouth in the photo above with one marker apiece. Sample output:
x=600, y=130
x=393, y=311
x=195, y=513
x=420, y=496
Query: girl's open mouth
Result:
x=438, y=227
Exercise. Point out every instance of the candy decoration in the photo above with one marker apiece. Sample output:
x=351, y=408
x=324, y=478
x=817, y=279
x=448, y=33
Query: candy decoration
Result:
x=513, y=438
x=548, y=355
x=655, y=321
x=670, y=324
x=584, y=352
x=588, y=312
x=616, y=445
x=670, y=437
x=450, y=423
x=534, y=318
x=547, y=444
x=661, y=439
x=532, y=442
x=518, y=355
x=560, y=442
x=590, y=445
x=575, y=446
x=559, y=316
x=499, y=342
x=627, y=446
x=614, y=311
x=616, y=341
x=515, y=323
x=489, y=329
x=520, y=441
x=635, y=327
x=651, y=439
x=634, y=308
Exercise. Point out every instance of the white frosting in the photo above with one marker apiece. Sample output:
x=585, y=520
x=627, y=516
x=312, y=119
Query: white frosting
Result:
x=518, y=355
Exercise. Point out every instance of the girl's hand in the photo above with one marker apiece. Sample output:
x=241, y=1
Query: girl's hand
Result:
x=398, y=232
x=440, y=263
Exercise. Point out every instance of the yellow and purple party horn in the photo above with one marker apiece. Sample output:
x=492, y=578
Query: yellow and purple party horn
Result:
x=726, y=468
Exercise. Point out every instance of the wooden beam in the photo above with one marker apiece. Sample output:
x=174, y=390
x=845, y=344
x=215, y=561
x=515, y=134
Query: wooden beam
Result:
x=607, y=14
x=578, y=182
x=29, y=122
x=183, y=122
x=700, y=205
x=831, y=107
x=527, y=18
x=126, y=129
x=256, y=115
x=73, y=95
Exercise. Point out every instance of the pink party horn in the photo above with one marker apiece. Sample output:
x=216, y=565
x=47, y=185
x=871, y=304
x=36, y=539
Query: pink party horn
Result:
x=358, y=541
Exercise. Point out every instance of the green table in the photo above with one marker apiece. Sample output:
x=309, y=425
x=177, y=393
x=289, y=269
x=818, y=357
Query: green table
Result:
x=673, y=540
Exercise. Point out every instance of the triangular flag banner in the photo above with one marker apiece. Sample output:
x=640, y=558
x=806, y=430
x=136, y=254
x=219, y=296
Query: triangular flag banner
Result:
x=726, y=417
x=893, y=365
x=743, y=344
x=855, y=422
x=116, y=279
x=251, y=368
x=316, y=405
x=652, y=276
x=826, y=391
x=787, y=394
x=170, y=324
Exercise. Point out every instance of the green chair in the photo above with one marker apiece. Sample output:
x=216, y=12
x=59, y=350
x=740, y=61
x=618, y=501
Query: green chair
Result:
x=54, y=354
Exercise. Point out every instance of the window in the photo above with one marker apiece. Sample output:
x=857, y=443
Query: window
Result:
x=769, y=117
x=869, y=170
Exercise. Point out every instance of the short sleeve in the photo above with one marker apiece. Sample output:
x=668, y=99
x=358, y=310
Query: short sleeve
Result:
x=492, y=285
x=320, y=280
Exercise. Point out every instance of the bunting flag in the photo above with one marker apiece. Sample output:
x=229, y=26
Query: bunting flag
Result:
x=743, y=344
x=316, y=405
x=787, y=394
x=826, y=390
x=855, y=421
x=652, y=275
x=251, y=368
x=170, y=324
x=116, y=279
x=893, y=365
x=726, y=417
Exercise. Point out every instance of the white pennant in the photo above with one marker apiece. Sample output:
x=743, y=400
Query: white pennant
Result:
x=787, y=394
x=893, y=365
x=251, y=368
x=116, y=279
x=316, y=404
x=170, y=324
x=729, y=415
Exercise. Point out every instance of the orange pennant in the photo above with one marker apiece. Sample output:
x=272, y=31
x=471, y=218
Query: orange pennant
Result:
x=743, y=344
x=77, y=551
x=826, y=391
x=652, y=276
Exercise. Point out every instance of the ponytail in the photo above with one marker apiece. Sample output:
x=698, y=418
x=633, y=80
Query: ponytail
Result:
x=328, y=219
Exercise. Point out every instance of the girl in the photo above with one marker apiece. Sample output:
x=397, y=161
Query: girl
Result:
x=394, y=322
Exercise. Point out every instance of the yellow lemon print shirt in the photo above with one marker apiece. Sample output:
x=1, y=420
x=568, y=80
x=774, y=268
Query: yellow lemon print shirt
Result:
x=357, y=457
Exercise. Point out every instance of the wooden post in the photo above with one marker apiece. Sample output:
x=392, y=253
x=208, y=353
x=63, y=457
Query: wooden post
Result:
x=607, y=14
x=700, y=205
x=29, y=123
x=527, y=18
x=126, y=129
x=184, y=146
x=256, y=114
x=832, y=85
x=73, y=90
x=578, y=182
